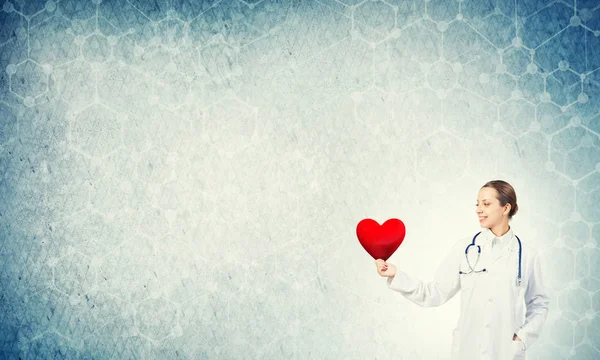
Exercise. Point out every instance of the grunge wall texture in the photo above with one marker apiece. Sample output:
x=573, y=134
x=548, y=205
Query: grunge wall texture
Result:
x=182, y=179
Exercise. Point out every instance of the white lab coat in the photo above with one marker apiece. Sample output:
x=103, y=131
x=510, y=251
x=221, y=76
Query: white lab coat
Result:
x=492, y=307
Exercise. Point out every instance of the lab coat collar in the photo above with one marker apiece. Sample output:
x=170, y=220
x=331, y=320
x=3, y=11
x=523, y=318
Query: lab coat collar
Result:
x=489, y=236
x=513, y=244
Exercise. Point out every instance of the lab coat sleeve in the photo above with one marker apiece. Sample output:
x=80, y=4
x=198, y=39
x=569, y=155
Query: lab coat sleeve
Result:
x=445, y=285
x=537, y=302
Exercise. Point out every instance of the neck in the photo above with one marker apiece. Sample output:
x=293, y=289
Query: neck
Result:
x=500, y=229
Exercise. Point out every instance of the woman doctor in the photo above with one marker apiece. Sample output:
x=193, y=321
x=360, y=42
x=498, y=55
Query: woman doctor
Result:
x=501, y=314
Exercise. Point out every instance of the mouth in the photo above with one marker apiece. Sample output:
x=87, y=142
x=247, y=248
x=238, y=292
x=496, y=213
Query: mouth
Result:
x=481, y=218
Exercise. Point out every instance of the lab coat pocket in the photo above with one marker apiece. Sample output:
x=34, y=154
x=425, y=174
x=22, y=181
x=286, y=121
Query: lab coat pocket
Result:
x=517, y=350
x=467, y=281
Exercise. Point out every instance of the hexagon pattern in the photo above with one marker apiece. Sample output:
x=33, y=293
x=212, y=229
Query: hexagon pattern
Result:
x=182, y=179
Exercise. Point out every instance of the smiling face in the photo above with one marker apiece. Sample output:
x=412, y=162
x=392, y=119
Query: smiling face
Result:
x=488, y=208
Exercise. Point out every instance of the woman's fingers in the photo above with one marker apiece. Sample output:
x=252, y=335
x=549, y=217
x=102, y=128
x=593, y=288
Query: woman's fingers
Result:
x=382, y=266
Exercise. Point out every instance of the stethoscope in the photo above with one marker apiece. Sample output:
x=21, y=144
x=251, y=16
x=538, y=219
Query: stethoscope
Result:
x=479, y=254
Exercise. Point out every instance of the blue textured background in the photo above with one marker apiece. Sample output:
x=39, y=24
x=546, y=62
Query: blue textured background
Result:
x=183, y=179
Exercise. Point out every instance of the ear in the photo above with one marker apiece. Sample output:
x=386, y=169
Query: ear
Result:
x=507, y=208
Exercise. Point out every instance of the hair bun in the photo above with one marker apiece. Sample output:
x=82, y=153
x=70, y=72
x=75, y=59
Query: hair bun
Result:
x=514, y=210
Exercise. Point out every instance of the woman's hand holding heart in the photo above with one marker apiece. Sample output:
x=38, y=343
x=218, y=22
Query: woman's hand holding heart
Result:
x=385, y=269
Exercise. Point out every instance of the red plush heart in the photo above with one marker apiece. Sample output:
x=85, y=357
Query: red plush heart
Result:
x=380, y=241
